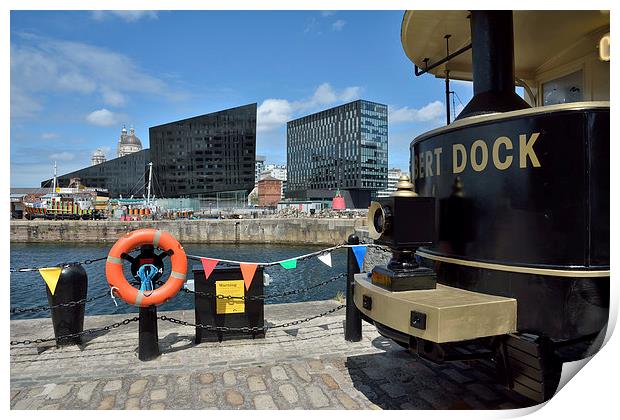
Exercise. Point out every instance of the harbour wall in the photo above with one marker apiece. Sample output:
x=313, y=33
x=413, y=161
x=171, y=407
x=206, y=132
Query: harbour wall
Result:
x=283, y=231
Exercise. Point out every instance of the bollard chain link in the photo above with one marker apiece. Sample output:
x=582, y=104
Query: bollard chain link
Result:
x=60, y=305
x=262, y=297
x=248, y=329
x=80, y=334
x=63, y=264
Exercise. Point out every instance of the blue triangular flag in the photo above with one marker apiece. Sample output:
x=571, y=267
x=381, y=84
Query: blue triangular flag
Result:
x=360, y=253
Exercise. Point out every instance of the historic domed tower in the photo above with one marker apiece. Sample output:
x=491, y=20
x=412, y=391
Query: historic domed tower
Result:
x=97, y=157
x=128, y=143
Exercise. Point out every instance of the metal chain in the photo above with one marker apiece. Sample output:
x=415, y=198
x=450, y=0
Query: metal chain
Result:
x=60, y=305
x=248, y=329
x=75, y=335
x=271, y=264
x=262, y=297
x=64, y=264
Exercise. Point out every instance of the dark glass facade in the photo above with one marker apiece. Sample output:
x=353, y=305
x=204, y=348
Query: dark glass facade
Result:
x=124, y=176
x=345, y=148
x=200, y=156
x=211, y=156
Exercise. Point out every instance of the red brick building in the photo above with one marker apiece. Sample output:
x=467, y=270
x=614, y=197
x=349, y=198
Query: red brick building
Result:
x=269, y=192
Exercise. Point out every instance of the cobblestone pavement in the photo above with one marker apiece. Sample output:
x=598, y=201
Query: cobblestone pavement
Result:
x=310, y=367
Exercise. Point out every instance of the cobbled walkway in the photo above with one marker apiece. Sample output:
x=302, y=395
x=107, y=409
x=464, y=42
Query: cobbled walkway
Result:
x=309, y=367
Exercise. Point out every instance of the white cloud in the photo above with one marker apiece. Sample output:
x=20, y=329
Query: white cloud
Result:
x=126, y=15
x=338, y=25
x=430, y=112
x=23, y=105
x=328, y=13
x=40, y=66
x=63, y=156
x=103, y=117
x=49, y=136
x=112, y=97
x=273, y=113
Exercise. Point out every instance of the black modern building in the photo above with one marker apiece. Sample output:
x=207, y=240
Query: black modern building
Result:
x=212, y=153
x=211, y=156
x=343, y=148
x=124, y=176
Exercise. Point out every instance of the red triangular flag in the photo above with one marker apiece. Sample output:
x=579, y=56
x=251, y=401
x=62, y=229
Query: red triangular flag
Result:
x=208, y=265
x=248, y=270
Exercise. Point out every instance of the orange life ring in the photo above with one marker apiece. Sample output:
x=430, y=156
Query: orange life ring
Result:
x=159, y=239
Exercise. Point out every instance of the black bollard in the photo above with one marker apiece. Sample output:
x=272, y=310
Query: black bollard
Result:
x=353, y=320
x=72, y=286
x=148, y=341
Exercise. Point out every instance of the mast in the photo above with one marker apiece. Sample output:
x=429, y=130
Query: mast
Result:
x=54, y=184
x=148, y=188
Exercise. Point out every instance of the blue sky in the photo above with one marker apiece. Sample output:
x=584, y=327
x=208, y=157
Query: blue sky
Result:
x=78, y=76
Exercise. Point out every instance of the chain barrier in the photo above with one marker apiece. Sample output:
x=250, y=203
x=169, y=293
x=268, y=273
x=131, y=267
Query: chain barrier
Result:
x=262, y=297
x=80, y=334
x=60, y=305
x=248, y=329
x=63, y=264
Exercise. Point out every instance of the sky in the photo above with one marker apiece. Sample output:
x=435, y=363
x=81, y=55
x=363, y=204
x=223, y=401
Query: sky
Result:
x=78, y=76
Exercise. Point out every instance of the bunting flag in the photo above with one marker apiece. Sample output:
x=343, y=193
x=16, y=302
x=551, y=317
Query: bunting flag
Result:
x=51, y=276
x=289, y=264
x=248, y=270
x=208, y=264
x=360, y=253
x=326, y=259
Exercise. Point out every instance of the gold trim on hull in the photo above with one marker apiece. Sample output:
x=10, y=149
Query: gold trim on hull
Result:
x=518, y=269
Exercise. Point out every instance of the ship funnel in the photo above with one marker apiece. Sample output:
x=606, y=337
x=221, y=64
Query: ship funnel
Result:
x=493, y=64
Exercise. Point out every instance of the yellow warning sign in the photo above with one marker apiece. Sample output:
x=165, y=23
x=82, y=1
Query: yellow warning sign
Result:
x=234, y=288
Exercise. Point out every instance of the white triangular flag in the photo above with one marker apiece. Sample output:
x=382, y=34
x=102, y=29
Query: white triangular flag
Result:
x=326, y=258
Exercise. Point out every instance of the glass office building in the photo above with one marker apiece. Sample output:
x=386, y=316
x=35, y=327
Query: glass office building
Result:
x=124, y=176
x=209, y=157
x=343, y=148
x=205, y=155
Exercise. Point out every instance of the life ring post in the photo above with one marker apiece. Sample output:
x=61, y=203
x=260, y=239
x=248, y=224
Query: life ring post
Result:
x=148, y=339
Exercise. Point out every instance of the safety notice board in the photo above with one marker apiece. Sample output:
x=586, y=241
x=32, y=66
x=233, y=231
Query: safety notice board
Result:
x=234, y=288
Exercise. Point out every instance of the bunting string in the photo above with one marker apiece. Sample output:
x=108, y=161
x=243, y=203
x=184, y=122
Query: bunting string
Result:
x=282, y=262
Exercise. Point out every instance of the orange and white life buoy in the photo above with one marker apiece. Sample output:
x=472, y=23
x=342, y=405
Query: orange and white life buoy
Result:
x=159, y=239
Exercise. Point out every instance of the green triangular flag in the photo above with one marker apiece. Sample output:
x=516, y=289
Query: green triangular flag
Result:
x=289, y=264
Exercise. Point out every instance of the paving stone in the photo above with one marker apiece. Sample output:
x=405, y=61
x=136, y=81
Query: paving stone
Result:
x=86, y=391
x=255, y=383
x=346, y=401
x=162, y=380
x=315, y=365
x=264, y=402
x=289, y=393
x=208, y=395
x=114, y=385
x=137, y=387
x=278, y=373
x=159, y=394
x=229, y=378
x=316, y=396
x=483, y=391
x=206, y=378
x=457, y=376
x=59, y=391
x=183, y=384
x=158, y=406
x=393, y=390
x=301, y=371
x=233, y=397
x=132, y=404
x=329, y=381
x=107, y=403
x=434, y=398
